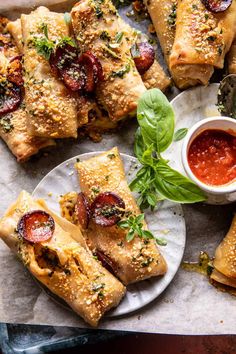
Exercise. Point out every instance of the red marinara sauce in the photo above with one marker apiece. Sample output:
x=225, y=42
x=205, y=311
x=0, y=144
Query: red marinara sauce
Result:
x=212, y=157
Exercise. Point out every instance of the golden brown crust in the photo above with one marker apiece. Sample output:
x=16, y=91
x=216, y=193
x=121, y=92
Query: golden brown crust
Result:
x=202, y=39
x=13, y=128
x=232, y=59
x=225, y=255
x=133, y=261
x=163, y=18
x=96, y=24
x=63, y=264
x=155, y=77
x=51, y=107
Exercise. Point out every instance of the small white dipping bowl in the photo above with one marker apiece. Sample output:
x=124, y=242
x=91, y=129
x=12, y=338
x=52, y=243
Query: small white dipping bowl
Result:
x=219, y=123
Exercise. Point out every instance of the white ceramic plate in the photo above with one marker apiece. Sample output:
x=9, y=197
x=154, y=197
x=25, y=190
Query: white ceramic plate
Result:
x=190, y=107
x=167, y=221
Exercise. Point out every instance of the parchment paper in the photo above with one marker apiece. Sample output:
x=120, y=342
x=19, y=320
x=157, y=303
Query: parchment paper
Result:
x=190, y=305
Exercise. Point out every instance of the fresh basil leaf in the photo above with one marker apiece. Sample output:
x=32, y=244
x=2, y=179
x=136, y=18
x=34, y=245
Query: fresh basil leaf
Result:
x=180, y=134
x=156, y=119
x=161, y=241
x=147, y=158
x=176, y=187
x=139, y=146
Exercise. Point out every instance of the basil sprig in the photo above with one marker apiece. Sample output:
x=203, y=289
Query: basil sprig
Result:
x=156, y=180
x=135, y=226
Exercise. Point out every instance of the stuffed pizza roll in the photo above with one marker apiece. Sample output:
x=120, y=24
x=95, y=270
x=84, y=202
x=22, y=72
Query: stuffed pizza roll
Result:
x=143, y=53
x=155, y=77
x=54, y=252
x=225, y=259
x=51, y=106
x=99, y=30
x=107, y=197
x=163, y=15
x=202, y=39
x=13, y=116
x=232, y=59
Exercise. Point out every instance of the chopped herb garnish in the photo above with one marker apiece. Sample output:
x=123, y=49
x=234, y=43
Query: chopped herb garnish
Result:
x=44, y=46
x=195, y=7
x=44, y=28
x=111, y=156
x=206, y=16
x=110, y=52
x=135, y=52
x=66, y=40
x=147, y=262
x=96, y=287
x=98, y=11
x=220, y=50
x=6, y=124
x=106, y=178
x=105, y=36
x=172, y=16
x=211, y=38
x=95, y=190
x=118, y=37
x=67, y=271
x=120, y=73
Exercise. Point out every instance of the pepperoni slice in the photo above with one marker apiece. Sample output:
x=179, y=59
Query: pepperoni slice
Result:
x=107, y=209
x=36, y=226
x=144, y=57
x=73, y=77
x=82, y=210
x=217, y=5
x=62, y=57
x=78, y=73
x=92, y=70
x=10, y=98
x=107, y=262
x=64, y=63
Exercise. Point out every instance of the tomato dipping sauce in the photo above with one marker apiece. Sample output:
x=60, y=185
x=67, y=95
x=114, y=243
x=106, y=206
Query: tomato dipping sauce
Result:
x=212, y=157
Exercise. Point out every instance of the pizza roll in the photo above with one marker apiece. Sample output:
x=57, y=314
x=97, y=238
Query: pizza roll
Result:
x=130, y=261
x=163, y=16
x=225, y=259
x=232, y=59
x=99, y=29
x=202, y=39
x=13, y=124
x=52, y=108
x=154, y=77
x=54, y=252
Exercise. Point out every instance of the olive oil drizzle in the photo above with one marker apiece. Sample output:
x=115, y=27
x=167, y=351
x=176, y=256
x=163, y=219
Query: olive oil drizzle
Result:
x=205, y=267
